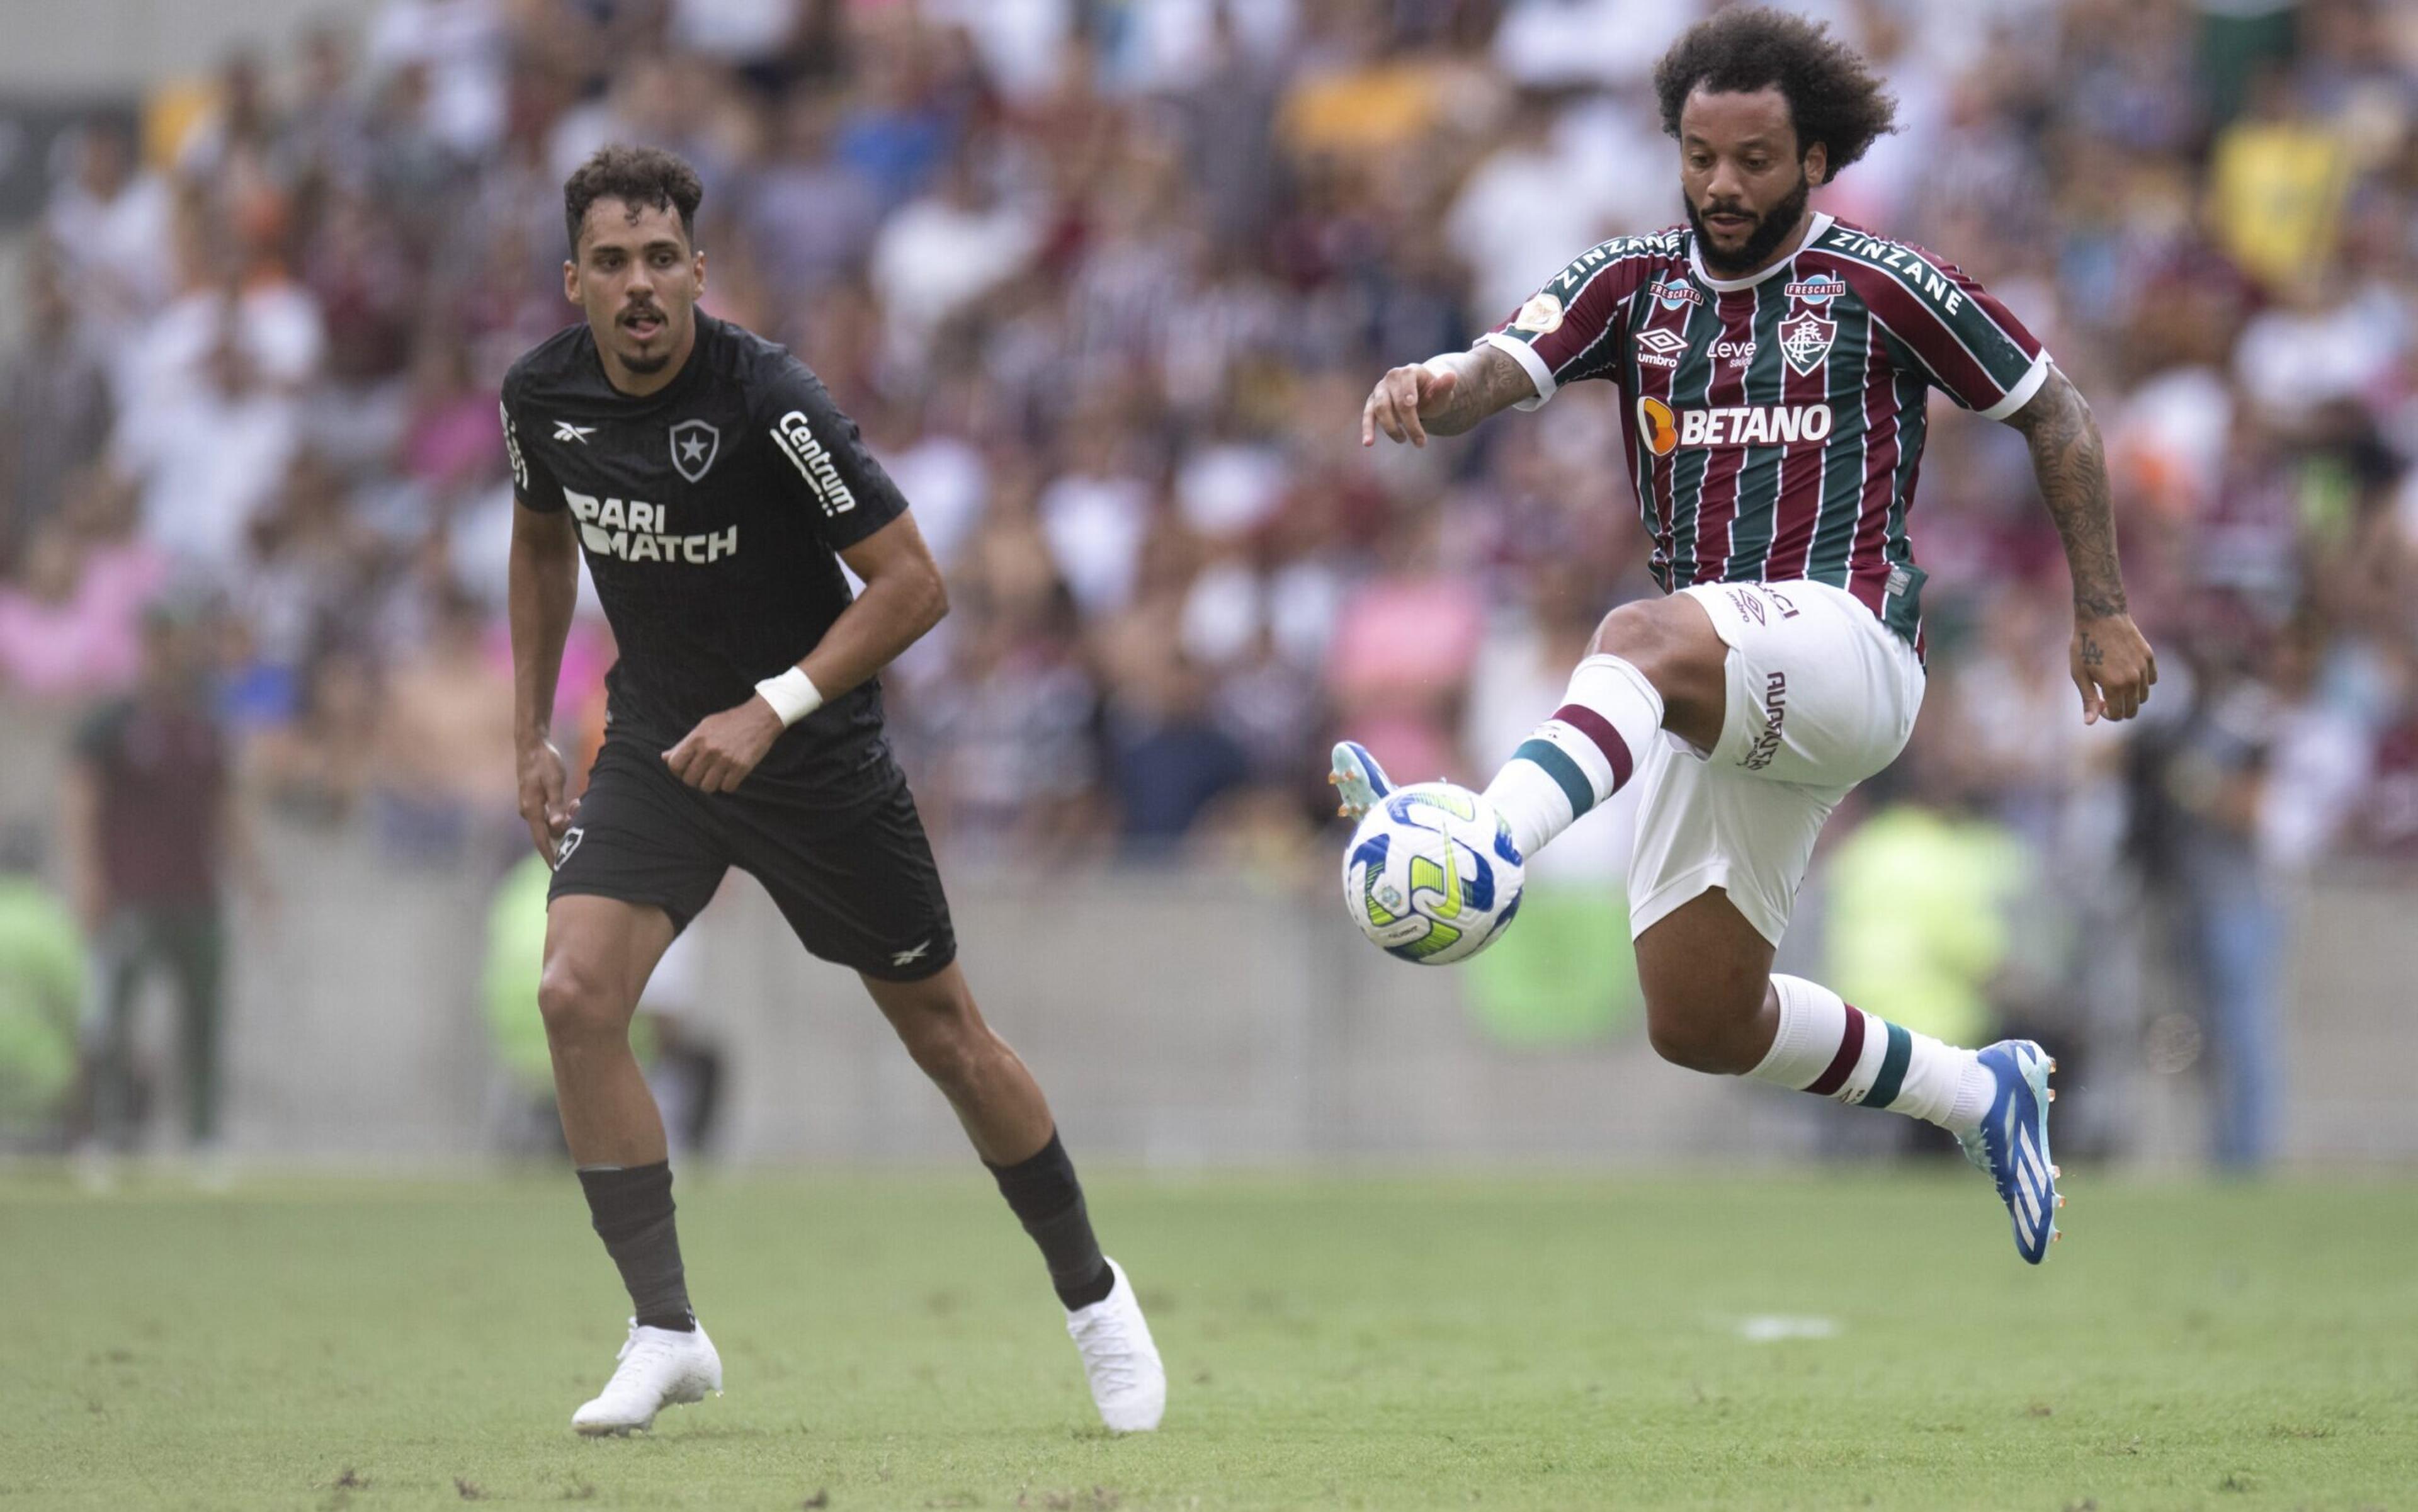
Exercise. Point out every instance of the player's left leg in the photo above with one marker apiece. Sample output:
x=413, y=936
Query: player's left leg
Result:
x=1714, y=1004
x=1821, y=695
x=870, y=898
x=1008, y=1120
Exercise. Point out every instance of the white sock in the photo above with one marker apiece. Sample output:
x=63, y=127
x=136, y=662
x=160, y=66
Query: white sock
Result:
x=1582, y=755
x=1829, y=1048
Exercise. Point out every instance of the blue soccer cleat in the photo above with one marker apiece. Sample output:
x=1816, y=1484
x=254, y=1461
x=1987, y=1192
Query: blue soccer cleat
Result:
x=2012, y=1144
x=1360, y=782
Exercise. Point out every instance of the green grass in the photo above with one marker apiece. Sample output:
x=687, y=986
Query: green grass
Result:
x=1540, y=1341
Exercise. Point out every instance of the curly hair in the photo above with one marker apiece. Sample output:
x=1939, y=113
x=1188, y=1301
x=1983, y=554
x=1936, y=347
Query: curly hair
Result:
x=639, y=176
x=1833, y=95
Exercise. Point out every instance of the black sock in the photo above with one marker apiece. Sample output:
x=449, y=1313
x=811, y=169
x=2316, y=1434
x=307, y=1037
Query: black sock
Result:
x=1049, y=1201
x=632, y=1207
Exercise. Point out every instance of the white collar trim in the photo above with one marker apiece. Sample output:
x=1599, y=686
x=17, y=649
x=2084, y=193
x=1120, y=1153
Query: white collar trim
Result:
x=1814, y=231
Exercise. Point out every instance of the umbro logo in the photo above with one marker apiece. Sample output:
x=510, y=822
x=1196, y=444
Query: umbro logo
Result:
x=1660, y=348
x=565, y=430
x=908, y=957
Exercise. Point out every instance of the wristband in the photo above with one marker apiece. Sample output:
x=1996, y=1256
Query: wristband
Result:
x=792, y=695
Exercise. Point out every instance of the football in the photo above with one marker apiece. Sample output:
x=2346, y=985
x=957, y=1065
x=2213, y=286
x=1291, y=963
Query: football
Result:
x=1431, y=875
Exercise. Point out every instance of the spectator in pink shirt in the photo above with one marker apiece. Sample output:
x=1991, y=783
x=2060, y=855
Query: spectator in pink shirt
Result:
x=71, y=625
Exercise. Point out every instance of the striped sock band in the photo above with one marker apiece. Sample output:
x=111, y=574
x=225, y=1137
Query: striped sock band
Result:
x=1826, y=1046
x=1586, y=752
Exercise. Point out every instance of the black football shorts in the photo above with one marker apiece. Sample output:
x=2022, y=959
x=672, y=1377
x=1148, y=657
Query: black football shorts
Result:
x=858, y=884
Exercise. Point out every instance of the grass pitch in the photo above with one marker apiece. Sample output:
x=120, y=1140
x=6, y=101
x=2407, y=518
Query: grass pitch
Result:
x=1866, y=1340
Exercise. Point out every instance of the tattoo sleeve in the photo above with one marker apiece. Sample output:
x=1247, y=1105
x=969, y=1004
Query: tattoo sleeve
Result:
x=1491, y=381
x=2072, y=466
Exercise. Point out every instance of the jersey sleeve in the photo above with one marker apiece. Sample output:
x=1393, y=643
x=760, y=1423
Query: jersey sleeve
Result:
x=1569, y=329
x=824, y=467
x=532, y=485
x=1970, y=346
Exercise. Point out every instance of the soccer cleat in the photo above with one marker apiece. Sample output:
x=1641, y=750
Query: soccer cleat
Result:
x=660, y=1368
x=2012, y=1144
x=1358, y=780
x=1128, y=1383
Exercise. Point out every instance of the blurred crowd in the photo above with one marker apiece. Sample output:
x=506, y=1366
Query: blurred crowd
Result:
x=1105, y=284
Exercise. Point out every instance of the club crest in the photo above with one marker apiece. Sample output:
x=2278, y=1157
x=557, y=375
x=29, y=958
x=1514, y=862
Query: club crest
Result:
x=1805, y=340
x=695, y=445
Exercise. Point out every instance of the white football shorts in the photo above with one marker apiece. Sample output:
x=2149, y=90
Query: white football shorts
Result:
x=1821, y=695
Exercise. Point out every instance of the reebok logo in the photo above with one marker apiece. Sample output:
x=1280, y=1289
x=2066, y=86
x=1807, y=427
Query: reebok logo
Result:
x=911, y=956
x=796, y=438
x=565, y=430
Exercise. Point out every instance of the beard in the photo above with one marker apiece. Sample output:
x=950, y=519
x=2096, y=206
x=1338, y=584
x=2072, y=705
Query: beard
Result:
x=1771, y=229
x=645, y=366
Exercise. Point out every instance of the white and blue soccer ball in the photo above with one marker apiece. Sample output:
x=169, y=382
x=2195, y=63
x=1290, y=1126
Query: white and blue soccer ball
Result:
x=1431, y=874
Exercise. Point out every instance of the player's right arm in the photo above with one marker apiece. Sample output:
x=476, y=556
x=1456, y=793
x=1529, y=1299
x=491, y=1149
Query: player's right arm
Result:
x=1443, y=395
x=1558, y=336
x=542, y=591
x=545, y=588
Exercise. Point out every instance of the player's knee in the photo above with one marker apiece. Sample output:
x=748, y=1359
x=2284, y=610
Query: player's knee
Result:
x=1702, y=1034
x=949, y=1047
x=579, y=1005
x=1631, y=631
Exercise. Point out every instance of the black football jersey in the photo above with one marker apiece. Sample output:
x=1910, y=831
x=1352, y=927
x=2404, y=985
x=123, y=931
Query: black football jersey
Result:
x=710, y=512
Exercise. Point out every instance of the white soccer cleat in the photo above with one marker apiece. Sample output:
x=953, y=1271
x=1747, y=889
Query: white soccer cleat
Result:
x=660, y=1368
x=1128, y=1383
x=1358, y=780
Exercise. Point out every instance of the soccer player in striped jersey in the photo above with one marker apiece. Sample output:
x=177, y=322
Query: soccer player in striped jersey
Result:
x=1774, y=365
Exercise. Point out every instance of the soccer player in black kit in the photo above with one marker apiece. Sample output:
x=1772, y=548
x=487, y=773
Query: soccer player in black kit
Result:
x=715, y=490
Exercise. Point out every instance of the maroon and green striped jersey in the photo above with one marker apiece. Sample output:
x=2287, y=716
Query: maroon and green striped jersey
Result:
x=1775, y=423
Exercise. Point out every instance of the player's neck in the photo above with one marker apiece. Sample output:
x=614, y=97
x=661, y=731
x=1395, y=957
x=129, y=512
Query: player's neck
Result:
x=641, y=385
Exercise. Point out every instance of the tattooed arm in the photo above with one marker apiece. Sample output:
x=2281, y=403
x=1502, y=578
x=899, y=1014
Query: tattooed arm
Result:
x=2110, y=661
x=1443, y=395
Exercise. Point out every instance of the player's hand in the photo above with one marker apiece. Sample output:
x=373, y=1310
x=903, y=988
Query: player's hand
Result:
x=542, y=804
x=717, y=756
x=2112, y=665
x=1403, y=399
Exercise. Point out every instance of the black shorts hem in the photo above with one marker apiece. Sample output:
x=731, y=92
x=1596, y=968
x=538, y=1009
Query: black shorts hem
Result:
x=605, y=889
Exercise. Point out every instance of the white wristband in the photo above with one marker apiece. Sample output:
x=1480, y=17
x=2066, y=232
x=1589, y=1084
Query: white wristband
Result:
x=792, y=695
